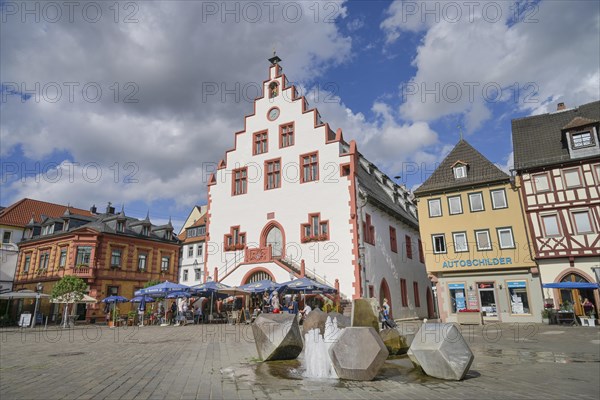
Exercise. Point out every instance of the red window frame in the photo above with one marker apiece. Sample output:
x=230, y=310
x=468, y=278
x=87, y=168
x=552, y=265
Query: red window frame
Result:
x=260, y=142
x=408, y=241
x=234, y=240
x=404, y=292
x=315, y=229
x=369, y=230
x=286, y=135
x=242, y=179
x=273, y=174
x=421, y=255
x=416, y=292
x=393, y=240
x=310, y=161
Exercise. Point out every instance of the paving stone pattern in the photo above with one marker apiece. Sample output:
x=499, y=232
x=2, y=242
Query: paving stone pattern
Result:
x=219, y=362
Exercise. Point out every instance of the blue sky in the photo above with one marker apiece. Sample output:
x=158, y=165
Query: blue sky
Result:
x=118, y=103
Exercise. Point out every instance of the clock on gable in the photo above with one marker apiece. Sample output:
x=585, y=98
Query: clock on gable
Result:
x=273, y=114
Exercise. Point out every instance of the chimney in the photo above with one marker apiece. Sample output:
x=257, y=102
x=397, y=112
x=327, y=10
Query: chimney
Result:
x=560, y=107
x=110, y=209
x=93, y=209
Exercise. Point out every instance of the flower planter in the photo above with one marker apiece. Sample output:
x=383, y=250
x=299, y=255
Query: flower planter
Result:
x=469, y=318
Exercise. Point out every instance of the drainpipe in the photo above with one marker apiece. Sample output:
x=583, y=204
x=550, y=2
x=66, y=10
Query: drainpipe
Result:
x=361, y=202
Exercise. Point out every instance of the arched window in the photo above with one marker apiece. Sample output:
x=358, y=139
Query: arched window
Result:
x=258, y=276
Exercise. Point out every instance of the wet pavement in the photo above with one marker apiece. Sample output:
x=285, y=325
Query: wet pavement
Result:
x=220, y=361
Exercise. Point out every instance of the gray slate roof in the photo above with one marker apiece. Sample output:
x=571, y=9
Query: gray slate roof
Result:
x=538, y=140
x=376, y=193
x=480, y=170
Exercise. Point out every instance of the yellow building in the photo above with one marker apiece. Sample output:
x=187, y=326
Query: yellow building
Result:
x=475, y=241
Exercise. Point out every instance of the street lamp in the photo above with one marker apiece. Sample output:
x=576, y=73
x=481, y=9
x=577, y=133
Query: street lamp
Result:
x=38, y=289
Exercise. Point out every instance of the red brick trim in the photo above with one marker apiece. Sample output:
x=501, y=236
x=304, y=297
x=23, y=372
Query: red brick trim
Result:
x=266, y=174
x=265, y=231
x=313, y=237
x=253, y=271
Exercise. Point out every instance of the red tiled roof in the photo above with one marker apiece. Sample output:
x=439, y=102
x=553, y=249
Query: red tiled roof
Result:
x=199, y=222
x=20, y=213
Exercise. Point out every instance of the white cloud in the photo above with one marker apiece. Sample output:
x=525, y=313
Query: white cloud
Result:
x=193, y=78
x=532, y=58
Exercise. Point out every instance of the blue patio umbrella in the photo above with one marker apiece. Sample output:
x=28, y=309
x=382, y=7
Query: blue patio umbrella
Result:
x=162, y=289
x=114, y=300
x=138, y=299
x=177, y=295
x=265, y=285
x=212, y=288
x=307, y=285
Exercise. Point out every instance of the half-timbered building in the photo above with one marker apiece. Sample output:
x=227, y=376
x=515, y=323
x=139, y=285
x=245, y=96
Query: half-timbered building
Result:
x=557, y=160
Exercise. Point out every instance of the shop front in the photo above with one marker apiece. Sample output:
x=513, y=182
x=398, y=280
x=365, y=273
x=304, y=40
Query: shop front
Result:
x=501, y=296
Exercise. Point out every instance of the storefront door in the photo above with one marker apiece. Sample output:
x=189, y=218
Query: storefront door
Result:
x=487, y=298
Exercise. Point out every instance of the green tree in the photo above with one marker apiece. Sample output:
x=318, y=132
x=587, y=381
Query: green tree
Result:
x=151, y=283
x=69, y=289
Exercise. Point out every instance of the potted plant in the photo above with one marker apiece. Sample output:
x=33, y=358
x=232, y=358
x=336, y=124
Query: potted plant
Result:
x=131, y=318
x=469, y=316
x=546, y=315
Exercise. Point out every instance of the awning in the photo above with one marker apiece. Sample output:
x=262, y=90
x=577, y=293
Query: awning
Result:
x=571, y=285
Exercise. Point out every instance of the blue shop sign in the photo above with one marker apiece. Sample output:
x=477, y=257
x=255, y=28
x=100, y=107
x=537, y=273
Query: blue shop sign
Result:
x=456, y=286
x=519, y=284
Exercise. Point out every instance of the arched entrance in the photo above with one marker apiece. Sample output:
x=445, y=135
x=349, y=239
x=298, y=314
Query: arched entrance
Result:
x=257, y=274
x=574, y=297
x=384, y=292
x=274, y=236
x=430, y=308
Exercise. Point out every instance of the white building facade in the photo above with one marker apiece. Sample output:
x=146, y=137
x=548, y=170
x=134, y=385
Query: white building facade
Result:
x=292, y=198
x=191, y=260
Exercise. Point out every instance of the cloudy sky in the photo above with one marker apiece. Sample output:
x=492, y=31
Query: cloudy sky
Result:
x=135, y=102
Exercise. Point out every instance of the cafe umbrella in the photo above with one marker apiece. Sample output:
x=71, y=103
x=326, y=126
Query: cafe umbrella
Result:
x=114, y=300
x=142, y=306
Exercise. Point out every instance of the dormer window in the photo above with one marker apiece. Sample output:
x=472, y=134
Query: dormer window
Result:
x=145, y=231
x=460, y=171
x=120, y=226
x=582, y=139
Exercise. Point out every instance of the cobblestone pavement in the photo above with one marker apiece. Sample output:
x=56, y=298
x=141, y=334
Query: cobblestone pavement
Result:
x=219, y=361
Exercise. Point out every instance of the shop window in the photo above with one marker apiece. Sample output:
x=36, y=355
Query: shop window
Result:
x=458, y=300
x=518, y=297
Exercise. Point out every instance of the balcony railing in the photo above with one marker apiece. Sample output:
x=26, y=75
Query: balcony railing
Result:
x=260, y=254
x=84, y=272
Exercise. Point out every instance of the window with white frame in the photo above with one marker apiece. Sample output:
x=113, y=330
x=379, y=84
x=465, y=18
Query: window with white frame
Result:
x=505, y=238
x=572, y=178
x=550, y=225
x=6, y=237
x=27, y=263
x=454, y=205
x=84, y=254
x=460, y=242
x=142, y=261
x=197, y=274
x=435, y=207
x=583, y=222
x=498, y=199
x=185, y=275
x=439, y=243
x=190, y=251
x=164, y=263
x=476, y=201
x=482, y=238
x=541, y=182
x=200, y=249
x=460, y=171
x=582, y=139
x=62, y=262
